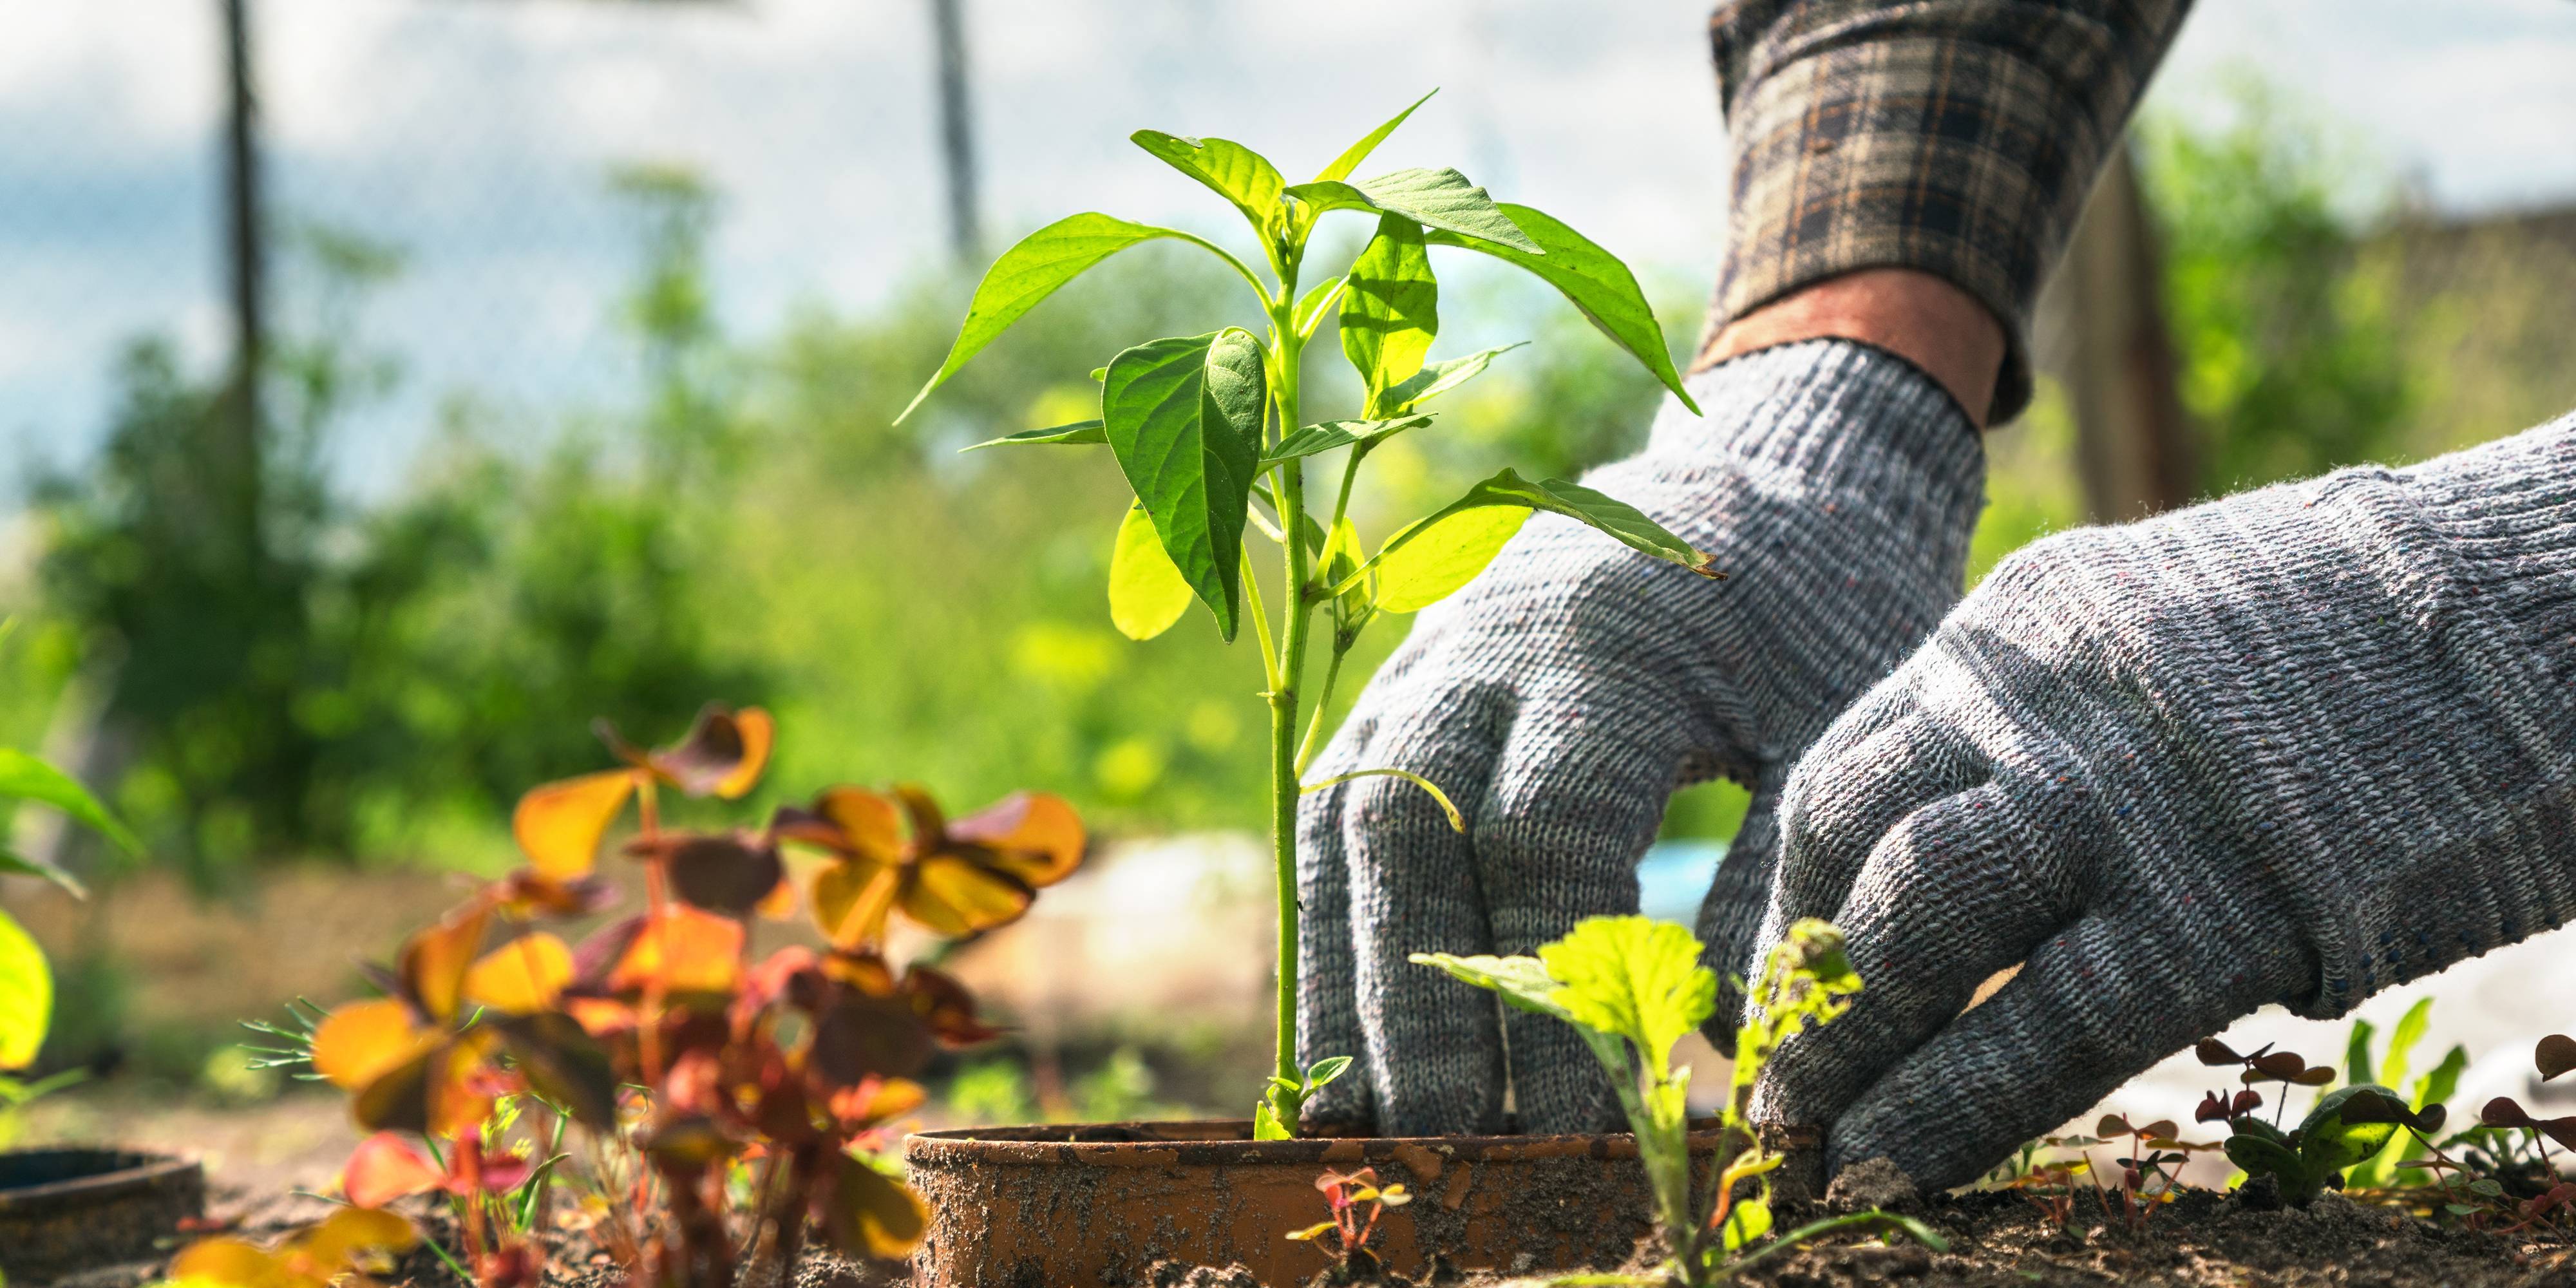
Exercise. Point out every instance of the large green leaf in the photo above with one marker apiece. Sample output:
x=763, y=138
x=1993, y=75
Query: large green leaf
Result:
x=1442, y=199
x=1592, y=278
x=1634, y=976
x=1507, y=489
x=1184, y=419
x=1146, y=592
x=1522, y=981
x=2329, y=1143
x=1442, y=554
x=27, y=778
x=1441, y=377
x=1029, y=272
x=1351, y=156
x=1390, y=310
x=1315, y=439
x=1080, y=431
x=26, y=996
x=1233, y=171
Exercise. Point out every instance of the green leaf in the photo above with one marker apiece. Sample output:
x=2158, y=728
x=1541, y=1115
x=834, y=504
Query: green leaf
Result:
x=1146, y=593
x=1228, y=168
x=1338, y=559
x=1316, y=439
x=1325, y=1070
x=12, y=861
x=1030, y=272
x=1351, y=156
x=1441, y=554
x=2401, y=1043
x=2444, y=1081
x=1634, y=976
x=2263, y=1151
x=1391, y=310
x=1441, y=377
x=1458, y=545
x=26, y=996
x=2329, y=1144
x=1184, y=418
x=1592, y=279
x=28, y=778
x=1080, y=431
x=1309, y=309
x=1442, y=199
x=1266, y=1124
x=1522, y=981
x=2356, y=1052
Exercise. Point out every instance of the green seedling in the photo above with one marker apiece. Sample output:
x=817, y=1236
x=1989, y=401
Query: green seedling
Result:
x=1210, y=432
x=1632, y=987
x=2508, y=1181
x=2343, y=1128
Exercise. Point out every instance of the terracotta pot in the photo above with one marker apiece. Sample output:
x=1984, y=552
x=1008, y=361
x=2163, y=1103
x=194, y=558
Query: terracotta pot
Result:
x=1043, y=1207
x=63, y=1210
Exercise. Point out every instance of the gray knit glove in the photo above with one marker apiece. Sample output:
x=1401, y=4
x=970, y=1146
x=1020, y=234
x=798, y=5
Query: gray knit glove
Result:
x=1564, y=695
x=2295, y=746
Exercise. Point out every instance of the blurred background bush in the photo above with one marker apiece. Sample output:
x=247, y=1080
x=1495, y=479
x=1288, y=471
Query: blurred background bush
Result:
x=333, y=547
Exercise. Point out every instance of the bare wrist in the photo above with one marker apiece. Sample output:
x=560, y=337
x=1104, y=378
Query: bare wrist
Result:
x=1912, y=314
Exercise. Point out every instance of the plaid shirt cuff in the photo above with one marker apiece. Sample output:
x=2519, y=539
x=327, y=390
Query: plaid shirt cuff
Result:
x=1958, y=137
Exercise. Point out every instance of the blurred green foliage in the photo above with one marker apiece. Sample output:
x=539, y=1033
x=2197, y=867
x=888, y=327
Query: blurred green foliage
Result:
x=749, y=526
x=2293, y=351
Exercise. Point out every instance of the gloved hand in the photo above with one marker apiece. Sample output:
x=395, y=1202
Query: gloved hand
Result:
x=2294, y=746
x=1562, y=697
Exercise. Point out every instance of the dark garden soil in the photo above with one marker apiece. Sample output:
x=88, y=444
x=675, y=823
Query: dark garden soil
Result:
x=2203, y=1238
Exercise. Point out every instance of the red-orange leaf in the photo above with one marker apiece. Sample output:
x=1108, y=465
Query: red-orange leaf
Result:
x=435, y=960
x=1032, y=836
x=386, y=1167
x=559, y=825
x=951, y=894
x=522, y=976
x=361, y=1041
x=682, y=951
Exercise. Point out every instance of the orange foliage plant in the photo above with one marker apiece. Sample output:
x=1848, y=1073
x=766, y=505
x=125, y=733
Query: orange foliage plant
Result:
x=709, y=1113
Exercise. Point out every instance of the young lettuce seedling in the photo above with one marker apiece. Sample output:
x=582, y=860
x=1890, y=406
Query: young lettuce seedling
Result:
x=1211, y=434
x=1632, y=987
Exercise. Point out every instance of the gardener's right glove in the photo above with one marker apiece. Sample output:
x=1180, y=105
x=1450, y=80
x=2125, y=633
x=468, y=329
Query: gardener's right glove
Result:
x=1562, y=696
x=2295, y=746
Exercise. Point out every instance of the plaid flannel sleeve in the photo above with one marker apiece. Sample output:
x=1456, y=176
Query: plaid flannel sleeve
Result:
x=1958, y=137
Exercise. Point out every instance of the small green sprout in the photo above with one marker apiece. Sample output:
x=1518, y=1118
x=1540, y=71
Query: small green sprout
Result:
x=1633, y=987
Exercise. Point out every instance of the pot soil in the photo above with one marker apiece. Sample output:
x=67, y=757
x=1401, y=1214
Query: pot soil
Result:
x=1040, y=1207
x=63, y=1210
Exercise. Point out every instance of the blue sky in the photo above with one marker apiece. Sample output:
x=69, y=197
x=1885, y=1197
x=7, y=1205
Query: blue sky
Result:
x=474, y=133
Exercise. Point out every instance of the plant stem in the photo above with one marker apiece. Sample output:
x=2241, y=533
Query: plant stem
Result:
x=1287, y=348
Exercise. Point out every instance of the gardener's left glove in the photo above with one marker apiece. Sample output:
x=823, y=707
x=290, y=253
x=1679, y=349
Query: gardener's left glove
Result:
x=2295, y=746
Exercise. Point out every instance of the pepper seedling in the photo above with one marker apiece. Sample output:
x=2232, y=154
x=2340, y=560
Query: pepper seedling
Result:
x=1632, y=987
x=1211, y=435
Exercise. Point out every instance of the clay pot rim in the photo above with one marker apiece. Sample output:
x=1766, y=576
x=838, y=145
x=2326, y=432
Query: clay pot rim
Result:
x=144, y=1170
x=1220, y=1141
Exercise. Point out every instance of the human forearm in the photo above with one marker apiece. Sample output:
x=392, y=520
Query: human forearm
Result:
x=1921, y=318
x=1957, y=138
